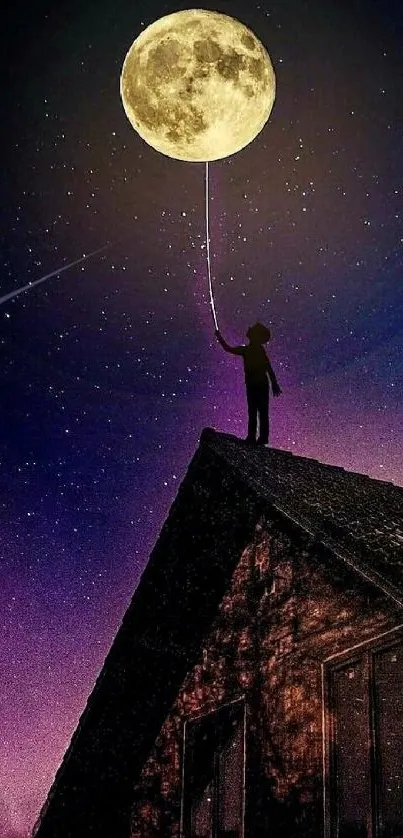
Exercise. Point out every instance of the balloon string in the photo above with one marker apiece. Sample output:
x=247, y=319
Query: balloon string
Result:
x=210, y=284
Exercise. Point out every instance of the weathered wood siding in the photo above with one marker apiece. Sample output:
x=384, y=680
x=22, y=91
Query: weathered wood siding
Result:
x=289, y=607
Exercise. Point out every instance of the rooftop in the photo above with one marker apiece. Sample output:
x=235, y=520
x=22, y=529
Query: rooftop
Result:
x=229, y=487
x=353, y=514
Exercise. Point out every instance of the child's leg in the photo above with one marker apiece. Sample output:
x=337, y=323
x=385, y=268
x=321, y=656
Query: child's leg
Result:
x=252, y=412
x=263, y=409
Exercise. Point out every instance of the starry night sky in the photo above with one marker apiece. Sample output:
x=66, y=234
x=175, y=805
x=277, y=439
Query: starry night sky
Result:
x=110, y=372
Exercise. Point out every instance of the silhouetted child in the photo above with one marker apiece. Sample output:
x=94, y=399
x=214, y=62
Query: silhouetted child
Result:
x=258, y=370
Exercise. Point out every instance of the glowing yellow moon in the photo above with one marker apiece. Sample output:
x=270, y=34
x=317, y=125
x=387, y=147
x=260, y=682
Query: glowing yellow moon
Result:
x=197, y=85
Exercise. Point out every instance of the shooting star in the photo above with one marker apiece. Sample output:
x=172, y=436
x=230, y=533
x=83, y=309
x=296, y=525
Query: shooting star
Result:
x=30, y=285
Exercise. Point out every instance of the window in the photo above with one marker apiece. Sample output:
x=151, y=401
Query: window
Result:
x=213, y=774
x=365, y=744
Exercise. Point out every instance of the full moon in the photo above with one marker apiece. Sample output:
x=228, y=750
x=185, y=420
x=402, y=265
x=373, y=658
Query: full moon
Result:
x=197, y=85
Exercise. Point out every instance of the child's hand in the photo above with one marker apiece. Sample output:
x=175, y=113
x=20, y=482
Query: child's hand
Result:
x=276, y=389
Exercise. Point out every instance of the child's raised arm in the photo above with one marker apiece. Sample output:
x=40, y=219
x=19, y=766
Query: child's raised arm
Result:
x=235, y=350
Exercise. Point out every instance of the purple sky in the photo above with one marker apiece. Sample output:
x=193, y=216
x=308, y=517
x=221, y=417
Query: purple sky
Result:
x=110, y=372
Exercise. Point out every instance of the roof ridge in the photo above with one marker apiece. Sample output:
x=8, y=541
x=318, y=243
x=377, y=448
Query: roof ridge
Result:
x=209, y=434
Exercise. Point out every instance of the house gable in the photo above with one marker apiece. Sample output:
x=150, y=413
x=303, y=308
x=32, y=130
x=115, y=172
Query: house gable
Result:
x=227, y=491
x=285, y=611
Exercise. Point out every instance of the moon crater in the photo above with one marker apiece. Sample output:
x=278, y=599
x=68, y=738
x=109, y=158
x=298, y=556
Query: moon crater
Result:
x=207, y=51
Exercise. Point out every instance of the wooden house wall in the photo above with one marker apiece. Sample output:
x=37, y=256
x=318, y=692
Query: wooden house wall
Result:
x=289, y=607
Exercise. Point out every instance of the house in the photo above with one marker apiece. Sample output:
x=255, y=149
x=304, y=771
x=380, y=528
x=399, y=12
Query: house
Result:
x=255, y=687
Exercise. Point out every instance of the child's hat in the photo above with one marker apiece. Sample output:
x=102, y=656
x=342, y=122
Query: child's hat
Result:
x=259, y=333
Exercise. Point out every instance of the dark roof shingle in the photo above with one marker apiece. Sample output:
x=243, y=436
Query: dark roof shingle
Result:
x=350, y=512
